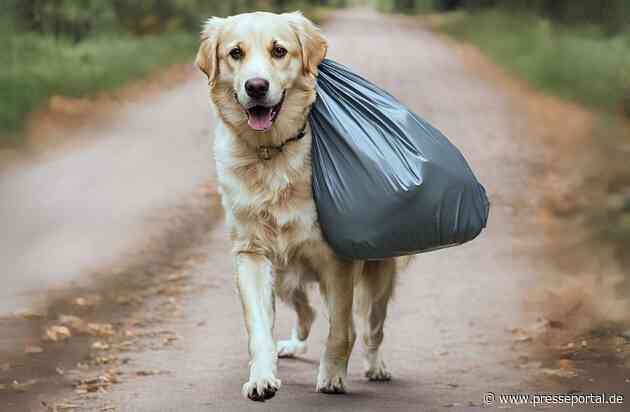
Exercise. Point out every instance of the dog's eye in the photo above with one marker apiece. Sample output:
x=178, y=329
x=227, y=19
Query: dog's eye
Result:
x=278, y=52
x=236, y=53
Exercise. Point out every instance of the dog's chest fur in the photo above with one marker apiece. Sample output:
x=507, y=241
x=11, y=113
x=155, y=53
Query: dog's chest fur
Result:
x=269, y=204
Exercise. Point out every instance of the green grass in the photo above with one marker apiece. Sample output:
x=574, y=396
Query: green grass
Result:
x=579, y=64
x=389, y=6
x=34, y=67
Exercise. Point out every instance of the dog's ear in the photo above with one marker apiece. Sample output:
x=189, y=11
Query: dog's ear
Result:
x=207, y=59
x=311, y=39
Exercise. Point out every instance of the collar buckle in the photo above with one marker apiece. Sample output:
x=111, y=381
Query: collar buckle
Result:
x=266, y=152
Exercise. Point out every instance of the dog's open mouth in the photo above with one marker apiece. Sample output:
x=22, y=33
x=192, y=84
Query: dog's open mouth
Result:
x=261, y=117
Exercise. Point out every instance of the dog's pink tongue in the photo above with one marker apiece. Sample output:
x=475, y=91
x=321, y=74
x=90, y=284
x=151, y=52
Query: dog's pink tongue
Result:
x=260, y=118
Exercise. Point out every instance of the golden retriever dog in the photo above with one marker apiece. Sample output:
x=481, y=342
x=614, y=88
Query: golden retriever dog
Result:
x=262, y=70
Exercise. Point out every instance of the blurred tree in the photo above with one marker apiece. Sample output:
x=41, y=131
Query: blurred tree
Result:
x=79, y=18
x=448, y=4
x=154, y=16
x=405, y=5
x=279, y=5
x=612, y=16
x=74, y=18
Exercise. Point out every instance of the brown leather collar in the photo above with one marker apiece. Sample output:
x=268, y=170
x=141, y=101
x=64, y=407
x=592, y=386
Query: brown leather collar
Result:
x=268, y=151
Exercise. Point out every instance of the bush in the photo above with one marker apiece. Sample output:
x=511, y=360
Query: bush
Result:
x=577, y=63
x=79, y=47
x=73, y=18
x=612, y=16
x=37, y=67
x=155, y=16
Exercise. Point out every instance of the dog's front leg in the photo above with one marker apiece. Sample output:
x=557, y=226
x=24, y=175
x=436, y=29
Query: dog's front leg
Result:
x=337, y=288
x=255, y=285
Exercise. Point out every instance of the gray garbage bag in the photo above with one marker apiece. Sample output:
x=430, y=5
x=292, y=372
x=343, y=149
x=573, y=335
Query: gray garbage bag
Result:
x=386, y=183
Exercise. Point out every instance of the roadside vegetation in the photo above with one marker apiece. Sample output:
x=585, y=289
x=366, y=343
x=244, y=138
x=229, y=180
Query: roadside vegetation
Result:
x=579, y=50
x=576, y=49
x=581, y=63
x=76, y=48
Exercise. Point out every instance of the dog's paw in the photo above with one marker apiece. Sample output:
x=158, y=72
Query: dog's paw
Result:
x=334, y=385
x=261, y=389
x=375, y=369
x=291, y=347
x=378, y=373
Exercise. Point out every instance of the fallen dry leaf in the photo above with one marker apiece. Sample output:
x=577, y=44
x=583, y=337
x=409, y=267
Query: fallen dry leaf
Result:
x=73, y=322
x=96, y=383
x=561, y=373
x=91, y=300
x=105, y=360
x=524, y=339
x=98, y=345
x=176, y=276
x=33, y=349
x=147, y=372
x=56, y=333
x=29, y=314
x=22, y=386
x=125, y=345
x=100, y=329
x=566, y=364
x=168, y=340
x=58, y=407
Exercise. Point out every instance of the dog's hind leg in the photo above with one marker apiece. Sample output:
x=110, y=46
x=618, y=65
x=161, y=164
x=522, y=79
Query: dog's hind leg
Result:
x=296, y=345
x=337, y=287
x=373, y=292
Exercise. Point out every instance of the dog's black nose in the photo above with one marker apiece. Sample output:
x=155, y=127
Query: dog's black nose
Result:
x=257, y=88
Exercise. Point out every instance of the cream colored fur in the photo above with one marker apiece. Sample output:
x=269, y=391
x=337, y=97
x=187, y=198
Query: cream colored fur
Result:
x=277, y=244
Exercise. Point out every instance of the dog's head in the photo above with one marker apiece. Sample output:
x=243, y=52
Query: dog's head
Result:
x=261, y=68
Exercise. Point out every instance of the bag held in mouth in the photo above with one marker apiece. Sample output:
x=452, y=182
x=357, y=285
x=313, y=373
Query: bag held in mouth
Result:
x=386, y=183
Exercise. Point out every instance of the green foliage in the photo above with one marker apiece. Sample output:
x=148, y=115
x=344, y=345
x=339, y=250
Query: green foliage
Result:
x=155, y=16
x=35, y=67
x=580, y=64
x=404, y=6
x=79, y=47
x=74, y=18
x=611, y=16
x=80, y=18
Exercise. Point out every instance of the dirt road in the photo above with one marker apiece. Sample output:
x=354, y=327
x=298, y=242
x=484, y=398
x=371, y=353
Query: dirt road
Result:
x=82, y=209
x=450, y=335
